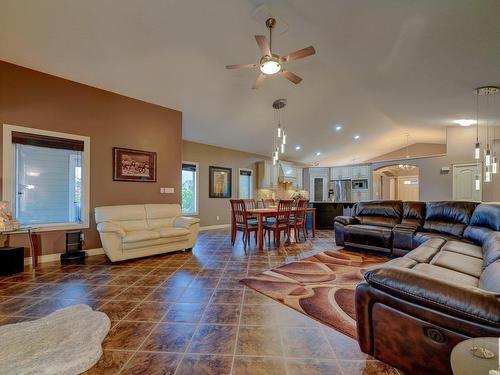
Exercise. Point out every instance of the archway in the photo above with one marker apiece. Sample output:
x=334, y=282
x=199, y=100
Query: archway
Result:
x=397, y=181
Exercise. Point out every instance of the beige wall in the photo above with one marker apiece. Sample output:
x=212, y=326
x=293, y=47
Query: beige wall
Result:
x=37, y=100
x=436, y=186
x=206, y=155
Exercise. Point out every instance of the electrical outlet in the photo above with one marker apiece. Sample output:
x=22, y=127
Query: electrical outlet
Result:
x=168, y=190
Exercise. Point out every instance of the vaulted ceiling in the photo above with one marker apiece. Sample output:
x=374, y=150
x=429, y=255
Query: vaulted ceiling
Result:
x=382, y=68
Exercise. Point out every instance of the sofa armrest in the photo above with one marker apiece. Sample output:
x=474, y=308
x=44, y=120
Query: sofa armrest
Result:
x=185, y=222
x=469, y=302
x=107, y=227
x=403, y=236
x=346, y=220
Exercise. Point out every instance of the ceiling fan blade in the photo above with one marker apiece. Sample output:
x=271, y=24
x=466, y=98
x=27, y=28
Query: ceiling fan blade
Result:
x=239, y=66
x=300, y=54
x=263, y=45
x=290, y=76
x=258, y=81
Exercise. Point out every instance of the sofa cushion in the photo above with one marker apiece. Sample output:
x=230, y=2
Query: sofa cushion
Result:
x=487, y=215
x=170, y=232
x=490, y=278
x=421, y=237
x=380, y=213
x=449, y=217
x=446, y=274
x=425, y=252
x=413, y=214
x=128, y=217
x=464, y=248
x=369, y=236
x=491, y=249
x=458, y=262
x=150, y=243
x=162, y=215
x=140, y=235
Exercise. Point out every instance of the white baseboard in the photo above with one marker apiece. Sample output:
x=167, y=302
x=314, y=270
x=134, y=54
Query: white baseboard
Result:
x=55, y=257
x=214, y=227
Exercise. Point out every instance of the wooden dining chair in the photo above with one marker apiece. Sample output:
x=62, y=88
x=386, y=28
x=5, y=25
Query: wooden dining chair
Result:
x=280, y=222
x=268, y=202
x=298, y=219
x=242, y=222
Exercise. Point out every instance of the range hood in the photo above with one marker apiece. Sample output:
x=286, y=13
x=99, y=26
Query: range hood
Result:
x=286, y=172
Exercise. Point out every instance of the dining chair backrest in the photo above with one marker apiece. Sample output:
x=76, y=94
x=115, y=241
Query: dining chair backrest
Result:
x=300, y=209
x=268, y=202
x=239, y=211
x=249, y=204
x=284, y=209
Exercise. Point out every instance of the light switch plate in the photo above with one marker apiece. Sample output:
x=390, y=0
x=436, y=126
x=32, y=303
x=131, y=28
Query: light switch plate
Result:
x=169, y=190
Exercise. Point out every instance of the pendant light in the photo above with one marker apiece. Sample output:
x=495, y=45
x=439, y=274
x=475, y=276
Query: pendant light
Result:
x=477, y=146
x=280, y=138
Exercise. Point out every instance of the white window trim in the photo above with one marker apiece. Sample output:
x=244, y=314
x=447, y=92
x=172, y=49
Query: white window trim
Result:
x=196, y=188
x=8, y=180
x=251, y=181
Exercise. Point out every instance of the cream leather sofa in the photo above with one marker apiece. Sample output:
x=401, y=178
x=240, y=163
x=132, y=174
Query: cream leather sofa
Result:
x=135, y=231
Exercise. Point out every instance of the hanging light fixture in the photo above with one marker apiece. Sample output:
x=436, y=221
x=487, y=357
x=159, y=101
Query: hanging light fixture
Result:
x=489, y=161
x=478, y=183
x=280, y=138
x=407, y=167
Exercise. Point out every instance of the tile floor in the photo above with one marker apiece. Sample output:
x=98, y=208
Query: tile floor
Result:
x=186, y=313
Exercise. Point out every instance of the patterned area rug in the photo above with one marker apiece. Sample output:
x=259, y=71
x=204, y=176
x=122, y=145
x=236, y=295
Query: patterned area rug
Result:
x=321, y=286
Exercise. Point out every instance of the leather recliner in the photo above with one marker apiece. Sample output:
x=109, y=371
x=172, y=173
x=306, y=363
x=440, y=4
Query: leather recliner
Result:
x=413, y=310
x=371, y=226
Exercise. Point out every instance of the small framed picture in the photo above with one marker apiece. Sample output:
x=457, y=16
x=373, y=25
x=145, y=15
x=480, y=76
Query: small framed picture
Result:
x=134, y=165
x=219, y=182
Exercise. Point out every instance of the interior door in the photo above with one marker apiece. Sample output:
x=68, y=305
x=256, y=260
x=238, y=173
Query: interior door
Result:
x=464, y=182
x=408, y=188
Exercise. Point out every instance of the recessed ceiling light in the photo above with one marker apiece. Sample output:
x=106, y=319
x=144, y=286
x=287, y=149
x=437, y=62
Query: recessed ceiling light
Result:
x=338, y=128
x=318, y=153
x=356, y=136
x=297, y=147
x=465, y=122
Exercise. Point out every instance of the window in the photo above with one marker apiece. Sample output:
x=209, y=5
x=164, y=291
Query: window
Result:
x=189, y=188
x=46, y=178
x=245, y=184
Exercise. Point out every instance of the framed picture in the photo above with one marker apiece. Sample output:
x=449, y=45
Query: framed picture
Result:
x=134, y=165
x=219, y=182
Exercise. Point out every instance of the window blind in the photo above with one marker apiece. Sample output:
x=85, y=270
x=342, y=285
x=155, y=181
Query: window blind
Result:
x=46, y=141
x=188, y=167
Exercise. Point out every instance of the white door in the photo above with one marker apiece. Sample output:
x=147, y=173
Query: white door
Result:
x=408, y=188
x=464, y=182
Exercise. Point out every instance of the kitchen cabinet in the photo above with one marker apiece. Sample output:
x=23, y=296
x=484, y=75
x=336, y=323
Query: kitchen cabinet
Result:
x=360, y=171
x=299, y=184
x=267, y=175
x=340, y=173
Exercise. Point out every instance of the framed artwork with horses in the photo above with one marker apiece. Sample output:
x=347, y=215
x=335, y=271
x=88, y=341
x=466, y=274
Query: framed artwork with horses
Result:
x=134, y=165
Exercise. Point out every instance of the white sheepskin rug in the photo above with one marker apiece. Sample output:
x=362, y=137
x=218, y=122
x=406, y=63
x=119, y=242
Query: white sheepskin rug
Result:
x=66, y=342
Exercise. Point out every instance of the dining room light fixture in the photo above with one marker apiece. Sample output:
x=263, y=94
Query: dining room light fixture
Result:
x=280, y=137
x=407, y=167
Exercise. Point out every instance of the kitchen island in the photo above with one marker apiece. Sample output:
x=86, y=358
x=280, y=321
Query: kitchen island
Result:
x=326, y=212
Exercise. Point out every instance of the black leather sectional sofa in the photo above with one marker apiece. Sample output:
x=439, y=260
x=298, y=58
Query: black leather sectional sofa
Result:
x=442, y=287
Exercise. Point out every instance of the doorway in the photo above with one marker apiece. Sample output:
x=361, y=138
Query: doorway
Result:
x=464, y=182
x=396, y=182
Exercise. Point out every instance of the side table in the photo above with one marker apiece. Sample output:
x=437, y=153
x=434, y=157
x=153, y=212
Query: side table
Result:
x=463, y=362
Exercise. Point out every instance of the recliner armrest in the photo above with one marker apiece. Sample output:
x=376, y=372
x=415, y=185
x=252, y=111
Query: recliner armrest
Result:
x=346, y=220
x=107, y=227
x=185, y=222
x=471, y=303
x=406, y=227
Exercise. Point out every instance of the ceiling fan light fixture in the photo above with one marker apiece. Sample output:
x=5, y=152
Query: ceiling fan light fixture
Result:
x=270, y=65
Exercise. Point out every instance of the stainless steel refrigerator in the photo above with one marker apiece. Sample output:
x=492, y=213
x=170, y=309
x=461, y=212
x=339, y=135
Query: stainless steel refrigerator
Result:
x=341, y=190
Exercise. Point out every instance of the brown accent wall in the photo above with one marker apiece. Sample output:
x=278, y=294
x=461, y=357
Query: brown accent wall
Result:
x=37, y=100
x=206, y=155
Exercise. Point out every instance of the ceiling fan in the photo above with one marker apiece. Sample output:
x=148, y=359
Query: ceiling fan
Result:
x=271, y=63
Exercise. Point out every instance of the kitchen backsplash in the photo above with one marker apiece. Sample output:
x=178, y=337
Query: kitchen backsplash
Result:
x=281, y=192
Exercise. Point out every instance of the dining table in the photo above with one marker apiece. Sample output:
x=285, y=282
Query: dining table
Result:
x=262, y=213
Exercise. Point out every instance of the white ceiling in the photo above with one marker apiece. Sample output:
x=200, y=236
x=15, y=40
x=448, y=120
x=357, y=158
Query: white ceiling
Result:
x=382, y=68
